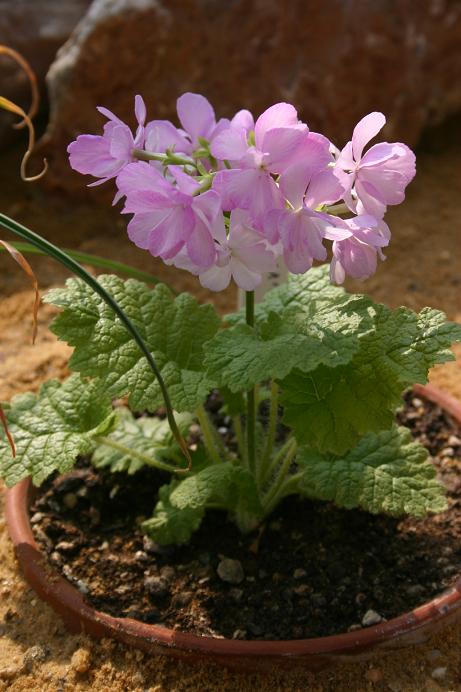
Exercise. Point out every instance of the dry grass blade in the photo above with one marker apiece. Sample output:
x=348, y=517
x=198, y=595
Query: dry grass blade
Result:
x=25, y=266
x=8, y=105
x=17, y=57
x=9, y=437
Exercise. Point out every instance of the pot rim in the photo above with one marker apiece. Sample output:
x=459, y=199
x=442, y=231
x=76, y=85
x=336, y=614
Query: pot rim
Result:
x=403, y=630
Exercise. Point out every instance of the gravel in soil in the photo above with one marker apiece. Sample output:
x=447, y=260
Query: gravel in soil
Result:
x=311, y=570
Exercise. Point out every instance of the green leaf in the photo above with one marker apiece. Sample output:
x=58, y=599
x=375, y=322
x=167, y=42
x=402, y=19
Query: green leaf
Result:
x=138, y=442
x=170, y=524
x=240, y=357
x=332, y=408
x=309, y=293
x=182, y=504
x=174, y=329
x=52, y=427
x=387, y=472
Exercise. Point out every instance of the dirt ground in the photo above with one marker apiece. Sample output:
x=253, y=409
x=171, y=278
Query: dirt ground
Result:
x=423, y=268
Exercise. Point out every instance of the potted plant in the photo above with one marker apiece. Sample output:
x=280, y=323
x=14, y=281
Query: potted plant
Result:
x=286, y=404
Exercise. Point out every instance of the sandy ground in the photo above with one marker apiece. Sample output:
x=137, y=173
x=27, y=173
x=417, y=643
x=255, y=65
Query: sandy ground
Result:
x=36, y=654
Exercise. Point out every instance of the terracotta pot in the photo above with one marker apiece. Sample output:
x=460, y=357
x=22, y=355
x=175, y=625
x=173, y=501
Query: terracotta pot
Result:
x=411, y=628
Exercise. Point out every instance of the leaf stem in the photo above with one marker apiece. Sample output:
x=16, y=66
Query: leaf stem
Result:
x=145, y=458
x=275, y=493
x=251, y=394
x=271, y=430
x=166, y=159
x=237, y=423
x=78, y=270
x=209, y=435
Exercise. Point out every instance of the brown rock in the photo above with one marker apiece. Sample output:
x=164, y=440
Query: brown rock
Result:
x=80, y=661
x=35, y=28
x=334, y=60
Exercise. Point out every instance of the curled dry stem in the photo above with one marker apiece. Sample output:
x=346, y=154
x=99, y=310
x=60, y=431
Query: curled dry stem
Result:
x=11, y=107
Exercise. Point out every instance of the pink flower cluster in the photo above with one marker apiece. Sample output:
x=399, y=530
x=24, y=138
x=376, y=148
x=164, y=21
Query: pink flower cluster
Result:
x=225, y=199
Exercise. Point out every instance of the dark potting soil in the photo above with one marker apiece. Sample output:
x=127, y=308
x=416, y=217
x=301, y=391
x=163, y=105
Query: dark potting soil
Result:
x=312, y=569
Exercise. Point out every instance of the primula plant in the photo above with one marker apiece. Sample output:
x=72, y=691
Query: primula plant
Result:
x=310, y=377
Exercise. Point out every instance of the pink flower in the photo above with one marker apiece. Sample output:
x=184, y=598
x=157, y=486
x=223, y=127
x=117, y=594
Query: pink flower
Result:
x=357, y=254
x=301, y=228
x=278, y=138
x=198, y=119
x=104, y=156
x=243, y=255
x=379, y=177
x=168, y=217
x=161, y=135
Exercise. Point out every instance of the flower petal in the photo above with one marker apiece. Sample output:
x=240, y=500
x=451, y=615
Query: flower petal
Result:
x=366, y=129
x=279, y=115
x=196, y=115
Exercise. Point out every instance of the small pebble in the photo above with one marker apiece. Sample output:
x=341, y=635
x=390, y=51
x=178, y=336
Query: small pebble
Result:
x=36, y=518
x=168, y=573
x=65, y=546
x=180, y=600
x=230, y=571
x=239, y=634
x=141, y=556
x=82, y=587
x=70, y=500
x=374, y=675
x=301, y=589
x=80, y=661
x=299, y=573
x=439, y=673
x=33, y=655
x=371, y=617
x=157, y=586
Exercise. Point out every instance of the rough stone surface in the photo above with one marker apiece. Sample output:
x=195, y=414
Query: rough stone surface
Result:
x=335, y=60
x=371, y=617
x=231, y=571
x=35, y=28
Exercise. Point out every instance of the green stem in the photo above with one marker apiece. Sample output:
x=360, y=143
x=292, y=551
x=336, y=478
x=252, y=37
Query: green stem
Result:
x=209, y=435
x=251, y=395
x=274, y=494
x=278, y=458
x=271, y=431
x=166, y=159
x=145, y=458
x=78, y=270
x=237, y=423
x=94, y=261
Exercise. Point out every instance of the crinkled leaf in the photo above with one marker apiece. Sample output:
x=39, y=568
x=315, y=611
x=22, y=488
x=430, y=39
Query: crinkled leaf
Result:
x=148, y=436
x=170, y=524
x=240, y=357
x=174, y=329
x=387, y=472
x=182, y=504
x=308, y=293
x=332, y=408
x=52, y=427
